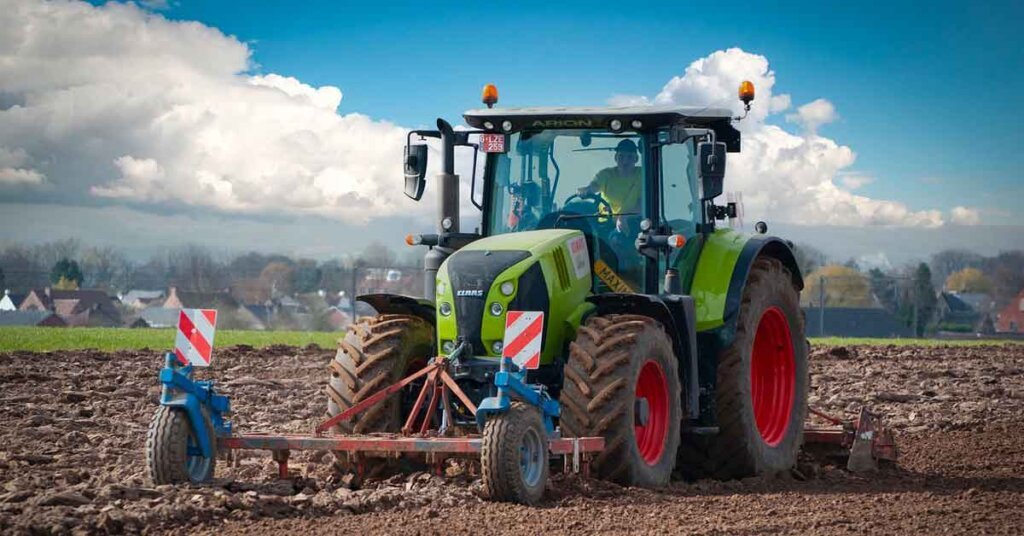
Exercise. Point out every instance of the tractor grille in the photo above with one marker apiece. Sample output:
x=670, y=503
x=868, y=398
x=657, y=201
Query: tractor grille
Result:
x=474, y=271
x=558, y=256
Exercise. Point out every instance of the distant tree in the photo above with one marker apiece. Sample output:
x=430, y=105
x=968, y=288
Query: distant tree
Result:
x=306, y=276
x=921, y=301
x=808, y=258
x=277, y=276
x=3, y=279
x=950, y=261
x=51, y=253
x=65, y=284
x=106, y=268
x=66, y=272
x=1006, y=271
x=193, y=267
x=968, y=280
x=844, y=287
x=885, y=288
x=335, y=276
x=378, y=255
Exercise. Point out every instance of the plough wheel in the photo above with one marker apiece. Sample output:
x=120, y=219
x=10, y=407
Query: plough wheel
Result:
x=173, y=454
x=761, y=400
x=514, y=459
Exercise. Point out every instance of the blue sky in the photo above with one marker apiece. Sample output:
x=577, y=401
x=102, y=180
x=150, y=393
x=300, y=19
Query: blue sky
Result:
x=926, y=92
x=223, y=121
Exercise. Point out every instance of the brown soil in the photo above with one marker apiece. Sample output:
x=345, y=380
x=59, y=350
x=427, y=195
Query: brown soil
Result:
x=71, y=457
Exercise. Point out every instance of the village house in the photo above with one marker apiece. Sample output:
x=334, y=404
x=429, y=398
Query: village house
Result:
x=10, y=302
x=31, y=318
x=75, y=307
x=1011, y=318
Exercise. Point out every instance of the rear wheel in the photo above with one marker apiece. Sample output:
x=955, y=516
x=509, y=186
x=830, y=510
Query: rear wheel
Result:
x=514, y=455
x=761, y=397
x=622, y=383
x=375, y=353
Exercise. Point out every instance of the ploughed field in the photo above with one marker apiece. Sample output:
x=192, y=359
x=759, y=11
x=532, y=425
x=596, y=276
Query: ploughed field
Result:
x=74, y=427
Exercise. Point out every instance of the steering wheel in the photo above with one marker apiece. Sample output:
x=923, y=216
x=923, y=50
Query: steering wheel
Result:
x=595, y=197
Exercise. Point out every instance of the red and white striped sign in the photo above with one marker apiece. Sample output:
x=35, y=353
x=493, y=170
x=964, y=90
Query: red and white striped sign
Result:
x=524, y=331
x=194, y=343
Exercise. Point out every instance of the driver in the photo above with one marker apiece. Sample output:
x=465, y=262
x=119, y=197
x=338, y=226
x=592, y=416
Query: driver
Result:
x=621, y=184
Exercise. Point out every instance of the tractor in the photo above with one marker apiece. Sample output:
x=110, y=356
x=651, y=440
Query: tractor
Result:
x=678, y=340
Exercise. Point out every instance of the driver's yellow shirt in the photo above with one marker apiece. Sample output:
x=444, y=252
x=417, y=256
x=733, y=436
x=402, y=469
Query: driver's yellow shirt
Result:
x=621, y=191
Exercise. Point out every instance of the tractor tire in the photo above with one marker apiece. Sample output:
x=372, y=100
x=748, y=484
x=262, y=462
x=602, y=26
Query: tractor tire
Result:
x=622, y=383
x=375, y=353
x=514, y=456
x=761, y=396
x=168, y=441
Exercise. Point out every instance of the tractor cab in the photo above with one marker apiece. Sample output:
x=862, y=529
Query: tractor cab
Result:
x=637, y=182
x=611, y=173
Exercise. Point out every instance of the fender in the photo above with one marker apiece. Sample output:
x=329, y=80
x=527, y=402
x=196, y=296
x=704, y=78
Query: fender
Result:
x=396, y=304
x=757, y=246
x=677, y=314
x=721, y=273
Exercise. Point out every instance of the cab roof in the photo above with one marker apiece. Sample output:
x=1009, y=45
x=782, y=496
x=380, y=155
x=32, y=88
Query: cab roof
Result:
x=600, y=117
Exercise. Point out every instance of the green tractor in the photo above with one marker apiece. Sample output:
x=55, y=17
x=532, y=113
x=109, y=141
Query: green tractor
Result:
x=677, y=340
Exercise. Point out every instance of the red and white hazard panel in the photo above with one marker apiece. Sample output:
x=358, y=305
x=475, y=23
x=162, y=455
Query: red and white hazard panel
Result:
x=194, y=343
x=524, y=331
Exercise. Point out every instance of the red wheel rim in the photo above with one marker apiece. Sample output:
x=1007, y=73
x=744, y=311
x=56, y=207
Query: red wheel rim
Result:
x=650, y=437
x=772, y=376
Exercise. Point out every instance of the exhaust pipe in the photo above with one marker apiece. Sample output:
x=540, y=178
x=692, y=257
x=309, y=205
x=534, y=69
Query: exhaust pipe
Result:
x=447, y=209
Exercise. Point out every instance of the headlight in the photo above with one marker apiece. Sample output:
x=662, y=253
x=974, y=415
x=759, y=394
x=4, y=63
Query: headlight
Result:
x=506, y=126
x=497, y=347
x=445, y=308
x=496, y=309
x=441, y=288
x=507, y=288
x=448, y=347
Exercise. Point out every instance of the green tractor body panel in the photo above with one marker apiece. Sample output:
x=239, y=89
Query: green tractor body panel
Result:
x=710, y=288
x=548, y=271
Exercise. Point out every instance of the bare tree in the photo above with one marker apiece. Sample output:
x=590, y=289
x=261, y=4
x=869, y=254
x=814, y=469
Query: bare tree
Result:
x=193, y=267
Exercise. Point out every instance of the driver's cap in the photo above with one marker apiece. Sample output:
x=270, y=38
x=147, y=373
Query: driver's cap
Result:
x=626, y=146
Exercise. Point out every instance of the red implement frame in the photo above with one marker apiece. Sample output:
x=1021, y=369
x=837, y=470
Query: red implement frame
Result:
x=417, y=437
x=865, y=439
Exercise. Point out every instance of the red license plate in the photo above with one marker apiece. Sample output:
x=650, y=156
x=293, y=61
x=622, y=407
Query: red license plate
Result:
x=493, y=143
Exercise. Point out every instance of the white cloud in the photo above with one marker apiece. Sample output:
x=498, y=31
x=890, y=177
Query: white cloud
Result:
x=786, y=177
x=120, y=103
x=853, y=180
x=14, y=168
x=813, y=115
x=964, y=216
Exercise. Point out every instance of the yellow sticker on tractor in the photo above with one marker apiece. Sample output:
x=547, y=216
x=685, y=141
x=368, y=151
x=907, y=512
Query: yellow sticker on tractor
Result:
x=610, y=278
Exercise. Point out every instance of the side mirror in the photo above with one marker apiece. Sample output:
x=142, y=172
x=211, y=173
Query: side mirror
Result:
x=711, y=167
x=415, y=170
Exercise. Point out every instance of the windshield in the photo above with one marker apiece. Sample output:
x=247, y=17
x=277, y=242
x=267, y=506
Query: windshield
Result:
x=543, y=170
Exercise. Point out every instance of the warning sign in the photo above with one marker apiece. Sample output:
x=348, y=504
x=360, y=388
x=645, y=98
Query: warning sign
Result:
x=194, y=342
x=524, y=331
x=610, y=278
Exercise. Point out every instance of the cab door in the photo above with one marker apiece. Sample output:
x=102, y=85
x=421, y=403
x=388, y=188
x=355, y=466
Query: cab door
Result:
x=680, y=210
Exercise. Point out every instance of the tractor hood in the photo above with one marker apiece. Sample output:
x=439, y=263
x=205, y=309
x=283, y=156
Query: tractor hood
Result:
x=546, y=271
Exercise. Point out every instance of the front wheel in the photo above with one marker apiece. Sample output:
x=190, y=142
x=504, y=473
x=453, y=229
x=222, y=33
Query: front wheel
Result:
x=622, y=383
x=173, y=455
x=514, y=455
